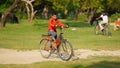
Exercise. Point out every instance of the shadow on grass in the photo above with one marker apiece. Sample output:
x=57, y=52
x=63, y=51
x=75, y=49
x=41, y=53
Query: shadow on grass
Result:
x=102, y=64
x=70, y=23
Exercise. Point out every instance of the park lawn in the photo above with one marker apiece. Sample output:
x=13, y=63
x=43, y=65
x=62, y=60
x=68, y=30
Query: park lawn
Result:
x=24, y=36
x=91, y=62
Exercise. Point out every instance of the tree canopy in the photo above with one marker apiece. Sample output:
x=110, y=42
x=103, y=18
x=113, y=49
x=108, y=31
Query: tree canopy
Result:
x=70, y=5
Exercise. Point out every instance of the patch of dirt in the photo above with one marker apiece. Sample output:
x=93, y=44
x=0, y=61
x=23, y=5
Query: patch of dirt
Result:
x=8, y=56
x=84, y=53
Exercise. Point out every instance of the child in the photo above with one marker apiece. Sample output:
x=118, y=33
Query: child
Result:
x=53, y=23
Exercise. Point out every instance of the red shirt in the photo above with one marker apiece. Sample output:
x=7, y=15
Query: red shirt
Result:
x=52, y=24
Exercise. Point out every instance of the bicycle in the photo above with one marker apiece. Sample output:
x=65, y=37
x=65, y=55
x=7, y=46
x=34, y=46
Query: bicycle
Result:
x=64, y=48
x=105, y=31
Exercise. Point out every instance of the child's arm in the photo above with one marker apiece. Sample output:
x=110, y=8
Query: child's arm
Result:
x=59, y=23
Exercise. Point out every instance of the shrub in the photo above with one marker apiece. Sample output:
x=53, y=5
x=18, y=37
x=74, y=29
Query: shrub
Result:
x=114, y=17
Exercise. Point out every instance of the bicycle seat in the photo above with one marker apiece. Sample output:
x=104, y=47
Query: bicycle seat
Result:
x=46, y=36
x=105, y=24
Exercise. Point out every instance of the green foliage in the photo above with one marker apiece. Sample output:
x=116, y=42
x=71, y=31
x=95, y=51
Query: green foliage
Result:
x=99, y=10
x=4, y=4
x=82, y=17
x=114, y=17
x=61, y=5
x=73, y=4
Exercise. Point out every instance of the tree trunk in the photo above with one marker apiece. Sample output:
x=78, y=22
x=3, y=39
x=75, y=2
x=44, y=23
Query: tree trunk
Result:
x=30, y=9
x=4, y=15
x=76, y=14
x=32, y=12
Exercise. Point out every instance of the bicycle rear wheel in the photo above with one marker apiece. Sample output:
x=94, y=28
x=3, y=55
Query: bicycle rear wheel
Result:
x=65, y=50
x=106, y=31
x=45, y=49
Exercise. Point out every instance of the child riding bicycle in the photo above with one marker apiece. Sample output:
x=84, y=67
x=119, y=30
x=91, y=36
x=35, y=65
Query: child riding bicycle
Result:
x=52, y=43
x=104, y=17
x=53, y=23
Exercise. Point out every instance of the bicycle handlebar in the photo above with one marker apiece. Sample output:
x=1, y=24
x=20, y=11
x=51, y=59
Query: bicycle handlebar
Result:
x=63, y=27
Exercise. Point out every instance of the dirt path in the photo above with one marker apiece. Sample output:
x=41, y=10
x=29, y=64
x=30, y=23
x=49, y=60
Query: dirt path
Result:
x=8, y=56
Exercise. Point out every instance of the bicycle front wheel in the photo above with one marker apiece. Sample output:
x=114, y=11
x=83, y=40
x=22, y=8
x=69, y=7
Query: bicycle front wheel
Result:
x=65, y=50
x=45, y=48
x=96, y=29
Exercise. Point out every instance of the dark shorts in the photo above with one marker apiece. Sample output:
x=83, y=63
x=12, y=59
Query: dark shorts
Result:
x=52, y=33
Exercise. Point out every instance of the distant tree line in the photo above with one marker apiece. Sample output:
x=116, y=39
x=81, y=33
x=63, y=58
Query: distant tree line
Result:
x=65, y=8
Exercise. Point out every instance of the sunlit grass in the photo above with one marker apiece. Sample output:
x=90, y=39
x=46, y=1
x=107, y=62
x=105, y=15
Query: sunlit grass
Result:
x=94, y=62
x=24, y=36
x=27, y=36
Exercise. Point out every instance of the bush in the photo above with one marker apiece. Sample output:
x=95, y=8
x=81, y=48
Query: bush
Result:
x=114, y=17
x=82, y=17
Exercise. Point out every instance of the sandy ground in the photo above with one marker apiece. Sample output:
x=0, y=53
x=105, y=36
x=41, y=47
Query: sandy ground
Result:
x=8, y=56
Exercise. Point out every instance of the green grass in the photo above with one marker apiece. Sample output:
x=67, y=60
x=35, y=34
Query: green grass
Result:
x=25, y=36
x=94, y=62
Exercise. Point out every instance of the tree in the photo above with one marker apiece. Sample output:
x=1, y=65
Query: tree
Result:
x=66, y=6
x=30, y=9
x=59, y=5
x=4, y=15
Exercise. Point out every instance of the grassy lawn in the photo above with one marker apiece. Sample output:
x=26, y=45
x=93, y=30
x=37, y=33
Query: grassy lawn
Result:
x=94, y=62
x=25, y=36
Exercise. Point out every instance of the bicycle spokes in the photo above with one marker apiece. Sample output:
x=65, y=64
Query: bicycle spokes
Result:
x=105, y=31
x=63, y=47
x=65, y=50
x=45, y=49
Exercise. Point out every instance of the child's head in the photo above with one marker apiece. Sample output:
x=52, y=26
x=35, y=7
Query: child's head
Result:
x=54, y=15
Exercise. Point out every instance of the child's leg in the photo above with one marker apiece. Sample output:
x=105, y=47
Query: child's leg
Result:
x=100, y=24
x=53, y=34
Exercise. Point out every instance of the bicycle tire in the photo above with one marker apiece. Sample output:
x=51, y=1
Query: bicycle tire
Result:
x=65, y=50
x=96, y=28
x=106, y=31
x=44, y=48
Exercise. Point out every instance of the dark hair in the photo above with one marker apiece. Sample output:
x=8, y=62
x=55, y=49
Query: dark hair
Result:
x=54, y=13
x=104, y=13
